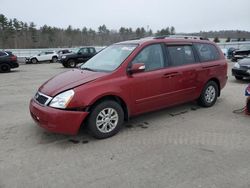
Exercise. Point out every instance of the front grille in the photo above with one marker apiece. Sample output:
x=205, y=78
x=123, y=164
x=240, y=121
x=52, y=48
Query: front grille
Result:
x=42, y=99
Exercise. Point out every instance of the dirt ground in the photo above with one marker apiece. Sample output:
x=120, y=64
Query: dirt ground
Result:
x=181, y=147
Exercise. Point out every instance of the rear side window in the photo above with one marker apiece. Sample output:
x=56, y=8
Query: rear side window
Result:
x=181, y=55
x=207, y=52
x=84, y=50
x=91, y=50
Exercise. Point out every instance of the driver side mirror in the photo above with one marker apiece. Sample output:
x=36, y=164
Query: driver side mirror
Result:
x=136, y=68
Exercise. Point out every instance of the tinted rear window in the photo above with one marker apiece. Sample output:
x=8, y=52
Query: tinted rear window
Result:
x=207, y=52
x=3, y=54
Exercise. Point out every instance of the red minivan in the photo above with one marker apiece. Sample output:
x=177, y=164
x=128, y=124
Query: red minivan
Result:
x=127, y=79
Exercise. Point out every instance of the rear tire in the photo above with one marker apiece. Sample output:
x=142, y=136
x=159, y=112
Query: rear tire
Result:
x=105, y=119
x=54, y=60
x=209, y=94
x=4, y=68
x=71, y=63
x=238, y=77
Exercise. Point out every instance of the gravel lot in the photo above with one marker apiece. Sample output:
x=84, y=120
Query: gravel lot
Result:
x=180, y=147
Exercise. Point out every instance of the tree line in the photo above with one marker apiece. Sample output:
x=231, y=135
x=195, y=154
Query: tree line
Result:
x=236, y=35
x=18, y=34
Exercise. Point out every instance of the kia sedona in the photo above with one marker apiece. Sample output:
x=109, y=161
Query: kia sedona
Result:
x=127, y=79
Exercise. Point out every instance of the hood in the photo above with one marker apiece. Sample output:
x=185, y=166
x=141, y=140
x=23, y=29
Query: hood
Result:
x=245, y=61
x=68, y=80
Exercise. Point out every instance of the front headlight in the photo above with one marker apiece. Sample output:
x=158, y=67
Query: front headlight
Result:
x=62, y=100
x=64, y=56
x=237, y=65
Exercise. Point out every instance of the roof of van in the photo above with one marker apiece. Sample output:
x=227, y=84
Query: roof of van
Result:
x=166, y=39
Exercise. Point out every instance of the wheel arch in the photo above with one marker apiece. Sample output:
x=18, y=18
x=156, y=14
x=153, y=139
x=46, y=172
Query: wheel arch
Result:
x=217, y=82
x=115, y=98
x=5, y=64
x=34, y=58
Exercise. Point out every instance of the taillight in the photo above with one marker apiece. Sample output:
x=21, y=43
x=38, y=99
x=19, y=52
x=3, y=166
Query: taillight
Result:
x=13, y=58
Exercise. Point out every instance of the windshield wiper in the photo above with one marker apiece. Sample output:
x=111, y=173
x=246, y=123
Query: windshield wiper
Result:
x=86, y=68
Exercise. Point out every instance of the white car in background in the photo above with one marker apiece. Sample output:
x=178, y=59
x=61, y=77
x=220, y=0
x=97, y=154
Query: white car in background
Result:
x=51, y=56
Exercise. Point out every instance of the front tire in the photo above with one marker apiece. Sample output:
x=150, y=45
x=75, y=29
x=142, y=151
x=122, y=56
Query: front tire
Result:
x=34, y=61
x=105, y=119
x=209, y=94
x=4, y=68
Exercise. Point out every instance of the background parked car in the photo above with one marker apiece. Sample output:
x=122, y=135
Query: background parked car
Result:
x=51, y=56
x=241, y=69
x=81, y=56
x=8, y=61
x=241, y=53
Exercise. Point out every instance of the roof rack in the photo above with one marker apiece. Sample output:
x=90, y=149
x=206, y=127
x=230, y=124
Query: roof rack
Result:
x=181, y=37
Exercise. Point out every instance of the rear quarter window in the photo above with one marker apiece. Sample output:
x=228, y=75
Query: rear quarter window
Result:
x=207, y=52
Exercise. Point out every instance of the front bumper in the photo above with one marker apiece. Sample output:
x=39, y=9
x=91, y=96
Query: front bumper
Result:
x=238, y=57
x=56, y=120
x=27, y=60
x=241, y=72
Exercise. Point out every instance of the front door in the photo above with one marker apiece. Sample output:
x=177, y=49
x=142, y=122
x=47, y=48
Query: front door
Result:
x=146, y=87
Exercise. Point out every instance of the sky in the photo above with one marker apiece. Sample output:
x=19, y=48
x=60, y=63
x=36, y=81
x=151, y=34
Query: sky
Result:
x=184, y=15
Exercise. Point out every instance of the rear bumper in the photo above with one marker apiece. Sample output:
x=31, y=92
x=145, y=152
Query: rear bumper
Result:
x=56, y=120
x=14, y=65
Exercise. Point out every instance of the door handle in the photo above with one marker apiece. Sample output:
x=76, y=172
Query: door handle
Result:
x=171, y=74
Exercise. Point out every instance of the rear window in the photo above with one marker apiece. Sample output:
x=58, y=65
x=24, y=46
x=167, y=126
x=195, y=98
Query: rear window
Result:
x=207, y=52
x=3, y=54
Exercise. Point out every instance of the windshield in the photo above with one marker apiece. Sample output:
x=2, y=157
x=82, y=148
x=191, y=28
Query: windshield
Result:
x=110, y=58
x=75, y=50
